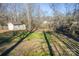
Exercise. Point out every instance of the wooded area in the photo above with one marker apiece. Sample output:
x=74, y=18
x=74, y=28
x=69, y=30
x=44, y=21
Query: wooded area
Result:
x=31, y=13
x=60, y=28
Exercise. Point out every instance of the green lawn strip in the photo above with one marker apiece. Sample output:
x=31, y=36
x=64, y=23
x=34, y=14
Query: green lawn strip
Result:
x=39, y=54
x=49, y=37
x=35, y=35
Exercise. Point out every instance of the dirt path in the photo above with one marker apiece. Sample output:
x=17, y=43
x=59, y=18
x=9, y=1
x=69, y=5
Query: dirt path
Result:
x=31, y=47
x=2, y=31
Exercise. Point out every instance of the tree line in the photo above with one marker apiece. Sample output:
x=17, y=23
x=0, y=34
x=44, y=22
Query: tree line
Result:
x=33, y=15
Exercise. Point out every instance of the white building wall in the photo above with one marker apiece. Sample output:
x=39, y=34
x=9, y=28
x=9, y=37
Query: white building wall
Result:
x=23, y=26
x=16, y=27
x=19, y=27
x=10, y=26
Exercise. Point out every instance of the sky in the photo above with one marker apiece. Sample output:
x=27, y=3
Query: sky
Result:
x=61, y=7
x=44, y=6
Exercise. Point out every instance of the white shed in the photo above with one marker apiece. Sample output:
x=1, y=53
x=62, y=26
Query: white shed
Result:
x=16, y=26
x=10, y=26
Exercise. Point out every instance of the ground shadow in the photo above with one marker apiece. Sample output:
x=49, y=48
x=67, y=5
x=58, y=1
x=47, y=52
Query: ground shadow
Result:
x=7, y=51
x=49, y=46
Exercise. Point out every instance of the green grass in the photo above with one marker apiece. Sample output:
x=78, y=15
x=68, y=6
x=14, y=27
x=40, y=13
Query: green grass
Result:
x=48, y=37
x=35, y=35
